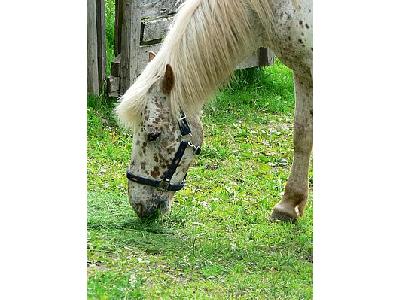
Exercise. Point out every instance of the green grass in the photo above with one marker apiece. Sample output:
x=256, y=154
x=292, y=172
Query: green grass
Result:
x=217, y=242
x=109, y=20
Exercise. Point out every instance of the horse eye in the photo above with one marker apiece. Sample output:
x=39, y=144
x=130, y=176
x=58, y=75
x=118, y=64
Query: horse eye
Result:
x=153, y=136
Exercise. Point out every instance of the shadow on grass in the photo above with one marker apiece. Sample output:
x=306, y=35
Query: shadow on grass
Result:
x=279, y=243
x=134, y=223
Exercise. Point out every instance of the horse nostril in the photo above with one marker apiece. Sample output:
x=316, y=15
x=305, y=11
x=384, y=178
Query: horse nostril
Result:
x=163, y=205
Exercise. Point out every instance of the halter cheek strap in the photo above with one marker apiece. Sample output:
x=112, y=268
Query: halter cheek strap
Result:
x=164, y=183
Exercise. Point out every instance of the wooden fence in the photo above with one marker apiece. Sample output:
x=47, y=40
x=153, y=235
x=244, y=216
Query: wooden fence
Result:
x=96, y=47
x=139, y=27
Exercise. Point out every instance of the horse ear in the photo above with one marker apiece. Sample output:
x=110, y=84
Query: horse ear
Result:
x=168, y=80
x=151, y=55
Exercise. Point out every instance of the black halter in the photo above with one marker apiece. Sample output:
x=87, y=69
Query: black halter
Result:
x=165, y=183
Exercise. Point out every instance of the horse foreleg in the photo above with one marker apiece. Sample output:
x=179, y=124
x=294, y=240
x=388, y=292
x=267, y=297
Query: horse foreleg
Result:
x=296, y=191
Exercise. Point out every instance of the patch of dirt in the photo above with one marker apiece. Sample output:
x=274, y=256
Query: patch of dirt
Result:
x=93, y=266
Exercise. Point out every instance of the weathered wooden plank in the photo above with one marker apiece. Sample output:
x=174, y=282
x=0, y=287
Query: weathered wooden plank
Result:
x=113, y=86
x=153, y=31
x=130, y=40
x=262, y=57
x=115, y=66
x=92, y=63
x=155, y=9
x=118, y=26
x=265, y=57
x=249, y=62
x=101, y=42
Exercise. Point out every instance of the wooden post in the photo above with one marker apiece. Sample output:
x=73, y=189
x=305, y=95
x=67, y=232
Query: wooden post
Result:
x=101, y=42
x=92, y=63
x=118, y=27
x=265, y=57
x=130, y=39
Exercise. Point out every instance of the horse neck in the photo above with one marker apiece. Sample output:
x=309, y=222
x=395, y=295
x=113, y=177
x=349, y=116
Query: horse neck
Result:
x=204, y=50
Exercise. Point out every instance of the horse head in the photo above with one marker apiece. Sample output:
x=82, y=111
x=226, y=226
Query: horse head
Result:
x=164, y=145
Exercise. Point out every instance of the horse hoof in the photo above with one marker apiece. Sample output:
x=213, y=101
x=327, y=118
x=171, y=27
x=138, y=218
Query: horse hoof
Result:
x=281, y=214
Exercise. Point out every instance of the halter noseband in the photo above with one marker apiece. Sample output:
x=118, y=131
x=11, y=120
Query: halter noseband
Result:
x=165, y=183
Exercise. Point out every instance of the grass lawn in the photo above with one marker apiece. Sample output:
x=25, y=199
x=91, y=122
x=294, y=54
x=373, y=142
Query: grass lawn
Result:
x=217, y=242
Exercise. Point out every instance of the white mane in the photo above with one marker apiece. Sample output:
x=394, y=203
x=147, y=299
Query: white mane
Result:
x=206, y=41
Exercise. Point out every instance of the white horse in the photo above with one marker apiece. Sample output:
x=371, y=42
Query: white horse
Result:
x=206, y=41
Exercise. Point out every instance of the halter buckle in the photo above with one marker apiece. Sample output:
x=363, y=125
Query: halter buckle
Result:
x=184, y=125
x=164, y=184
